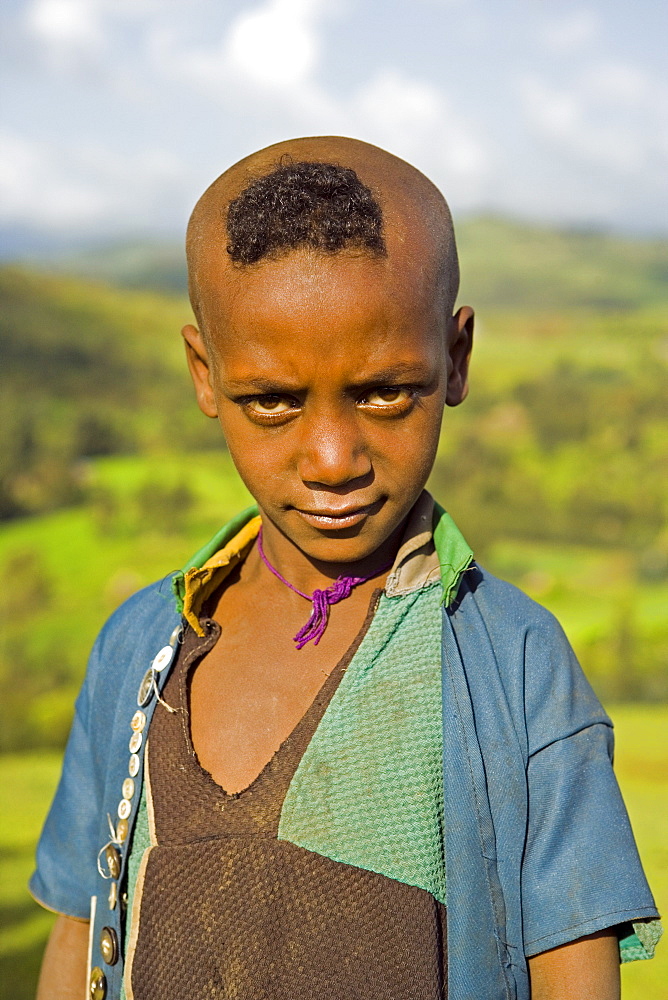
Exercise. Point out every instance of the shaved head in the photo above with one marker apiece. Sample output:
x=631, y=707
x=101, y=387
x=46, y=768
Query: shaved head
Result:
x=394, y=213
x=323, y=274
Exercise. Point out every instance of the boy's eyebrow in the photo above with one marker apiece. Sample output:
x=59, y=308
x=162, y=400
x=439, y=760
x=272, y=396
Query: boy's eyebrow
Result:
x=400, y=371
x=256, y=383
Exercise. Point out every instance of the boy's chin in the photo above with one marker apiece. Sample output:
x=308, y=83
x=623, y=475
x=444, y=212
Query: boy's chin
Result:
x=350, y=543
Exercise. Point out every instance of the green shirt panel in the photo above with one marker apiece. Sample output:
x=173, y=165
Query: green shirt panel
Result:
x=369, y=789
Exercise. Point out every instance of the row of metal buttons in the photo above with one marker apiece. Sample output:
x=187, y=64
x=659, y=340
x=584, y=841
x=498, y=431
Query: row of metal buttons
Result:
x=109, y=945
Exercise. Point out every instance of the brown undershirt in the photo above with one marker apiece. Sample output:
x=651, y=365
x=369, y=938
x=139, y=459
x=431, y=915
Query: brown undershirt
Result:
x=229, y=911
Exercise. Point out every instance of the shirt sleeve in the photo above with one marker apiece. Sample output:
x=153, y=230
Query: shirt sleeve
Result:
x=67, y=849
x=581, y=871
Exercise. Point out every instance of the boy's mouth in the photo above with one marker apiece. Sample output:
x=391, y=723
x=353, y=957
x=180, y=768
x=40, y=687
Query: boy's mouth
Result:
x=342, y=517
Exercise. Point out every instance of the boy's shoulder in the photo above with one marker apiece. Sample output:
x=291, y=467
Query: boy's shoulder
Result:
x=157, y=590
x=505, y=635
x=131, y=637
x=147, y=609
x=503, y=606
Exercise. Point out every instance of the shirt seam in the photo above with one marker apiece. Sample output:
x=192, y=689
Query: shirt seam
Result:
x=582, y=923
x=424, y=585
x=52, y=909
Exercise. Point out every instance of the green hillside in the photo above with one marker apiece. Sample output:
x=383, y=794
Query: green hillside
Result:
x=153, y=265
x=514, y=265
x=504, y=263
x=86, y=371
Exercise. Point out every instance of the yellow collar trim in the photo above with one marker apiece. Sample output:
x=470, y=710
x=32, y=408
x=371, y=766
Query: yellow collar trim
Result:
x=421, y=560
x=201, y=583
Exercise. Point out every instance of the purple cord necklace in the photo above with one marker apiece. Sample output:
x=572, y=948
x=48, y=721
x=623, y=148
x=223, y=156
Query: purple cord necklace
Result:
x=321, y=599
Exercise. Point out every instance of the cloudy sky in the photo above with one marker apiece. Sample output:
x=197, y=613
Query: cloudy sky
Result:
x=117, y=113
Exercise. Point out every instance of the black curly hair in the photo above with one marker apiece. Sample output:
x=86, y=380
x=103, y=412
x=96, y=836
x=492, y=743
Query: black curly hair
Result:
x=304, y=204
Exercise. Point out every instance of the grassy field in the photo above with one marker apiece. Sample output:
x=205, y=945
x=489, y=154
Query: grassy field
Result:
x=28, y=781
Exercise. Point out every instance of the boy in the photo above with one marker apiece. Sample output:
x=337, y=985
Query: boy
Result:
x=357, y=765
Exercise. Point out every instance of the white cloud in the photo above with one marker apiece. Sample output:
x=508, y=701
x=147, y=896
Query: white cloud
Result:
x=572, y=32
x=415, y=119
x=399, y=106
x=268, y=56
x=83, y=187
x=276, y=44
x=66, y=26
x=555, y=112
x=76, y=34
x=584, y=131
x=618, y=84
x=587, y=121
x=268, y=63
x=38, y=190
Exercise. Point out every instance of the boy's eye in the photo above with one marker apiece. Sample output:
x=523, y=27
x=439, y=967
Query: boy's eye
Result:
x=269, y=404
x=388, y=395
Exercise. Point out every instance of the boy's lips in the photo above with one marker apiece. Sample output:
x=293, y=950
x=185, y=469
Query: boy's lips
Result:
x=338, y=517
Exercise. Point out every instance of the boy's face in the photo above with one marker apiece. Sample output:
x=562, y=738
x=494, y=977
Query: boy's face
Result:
x=329, y=376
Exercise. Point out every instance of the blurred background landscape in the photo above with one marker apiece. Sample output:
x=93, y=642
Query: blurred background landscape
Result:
x=555, y=468
x=545, y=126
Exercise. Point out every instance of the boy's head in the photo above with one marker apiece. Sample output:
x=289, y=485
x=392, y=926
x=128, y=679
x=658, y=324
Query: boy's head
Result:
x=323, y=274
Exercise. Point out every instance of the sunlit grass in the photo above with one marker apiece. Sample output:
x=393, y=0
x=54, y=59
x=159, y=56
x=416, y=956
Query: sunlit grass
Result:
x=28, y=782
x=642, y=769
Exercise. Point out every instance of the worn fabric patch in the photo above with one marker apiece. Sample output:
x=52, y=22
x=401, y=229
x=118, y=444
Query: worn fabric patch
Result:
x=141, y=842
x=641, y=944
x=200, y=583
x=369, y=789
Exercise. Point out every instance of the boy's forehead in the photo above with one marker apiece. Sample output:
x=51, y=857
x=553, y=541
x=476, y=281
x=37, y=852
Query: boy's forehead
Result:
x=306, y=290
x=328, y=321
x=417, y=225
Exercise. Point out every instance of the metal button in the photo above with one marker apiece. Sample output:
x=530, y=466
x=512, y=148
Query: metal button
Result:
x=145, y=688
x=128, y=788
x=113, y=858
x=135, y=742
x=97, y=986
x=133, y=765
x=122, y=829
x=109, y=945
x=113, y=895
x=138, y=721
x=124, y=809
x=163, y=658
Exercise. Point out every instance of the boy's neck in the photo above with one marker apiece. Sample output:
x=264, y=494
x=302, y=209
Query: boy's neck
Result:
x=306, y=574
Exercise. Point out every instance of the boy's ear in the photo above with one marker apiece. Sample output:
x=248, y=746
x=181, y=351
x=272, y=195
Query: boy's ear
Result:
x=460, y=345
x=200, y=370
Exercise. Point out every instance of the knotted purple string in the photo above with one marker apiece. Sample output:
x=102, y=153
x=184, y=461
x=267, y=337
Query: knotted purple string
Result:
x=321, y=599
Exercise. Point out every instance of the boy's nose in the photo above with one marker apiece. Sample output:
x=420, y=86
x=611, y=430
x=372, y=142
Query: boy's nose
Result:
x=332, y=454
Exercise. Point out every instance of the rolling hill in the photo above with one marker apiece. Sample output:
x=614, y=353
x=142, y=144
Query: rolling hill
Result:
x=504, y=264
